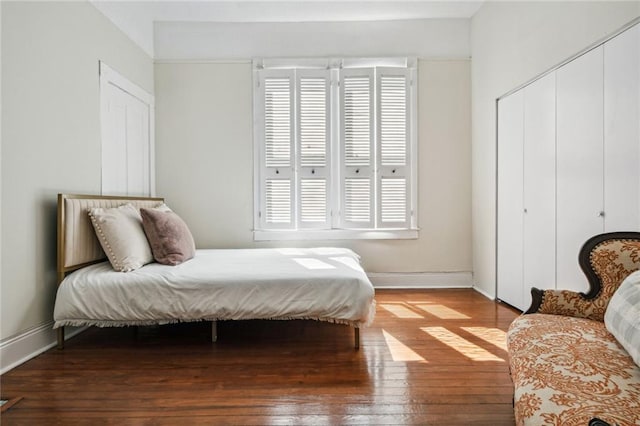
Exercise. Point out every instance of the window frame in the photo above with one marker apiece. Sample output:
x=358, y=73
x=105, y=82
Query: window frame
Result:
x=334, y=228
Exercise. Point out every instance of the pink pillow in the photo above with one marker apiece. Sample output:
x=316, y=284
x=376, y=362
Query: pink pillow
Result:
x=169, y=237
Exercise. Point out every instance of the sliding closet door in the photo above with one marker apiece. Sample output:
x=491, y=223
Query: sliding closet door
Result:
x=622, y=132
x=510, y=158
x=540, y=185
x=579, y=163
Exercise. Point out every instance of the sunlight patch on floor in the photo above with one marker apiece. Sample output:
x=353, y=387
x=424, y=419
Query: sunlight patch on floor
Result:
x=400, y=351
x=442, y=312
x=495, y=336
x=400, y=311
x=465, y=347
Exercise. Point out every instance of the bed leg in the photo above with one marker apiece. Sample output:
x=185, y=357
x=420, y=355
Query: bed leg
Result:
x=356, y=338
x=60, y=334
x=214, y=331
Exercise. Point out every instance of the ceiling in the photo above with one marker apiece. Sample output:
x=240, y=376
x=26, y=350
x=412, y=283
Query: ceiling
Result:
x=137, y=18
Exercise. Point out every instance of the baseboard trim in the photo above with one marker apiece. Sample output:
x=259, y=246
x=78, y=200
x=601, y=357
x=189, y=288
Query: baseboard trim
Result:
x=29, y=344
x=418, y=280
x=484, y=293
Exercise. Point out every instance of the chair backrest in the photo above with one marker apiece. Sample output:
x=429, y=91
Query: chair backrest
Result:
x=607, y=259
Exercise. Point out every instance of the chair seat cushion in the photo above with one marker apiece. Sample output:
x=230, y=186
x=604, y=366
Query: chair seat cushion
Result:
x=568, y=370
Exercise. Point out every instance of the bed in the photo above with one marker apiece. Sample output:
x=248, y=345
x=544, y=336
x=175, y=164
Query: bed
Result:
x=324, y=283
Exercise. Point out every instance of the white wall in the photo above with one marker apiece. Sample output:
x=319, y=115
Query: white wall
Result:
x=50, y=138
x=430, y=38
x=512, y=42
x=1, y=73
x=204, y=154
x=133, y=19
x=1, y=157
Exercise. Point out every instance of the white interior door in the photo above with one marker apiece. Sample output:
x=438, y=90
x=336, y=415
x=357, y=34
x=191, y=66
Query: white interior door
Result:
x=137, y=147
x=127, y=136
x=510, y=201
x=114, y=140
x=622, y=132
x=540, y=185
x=579, y=163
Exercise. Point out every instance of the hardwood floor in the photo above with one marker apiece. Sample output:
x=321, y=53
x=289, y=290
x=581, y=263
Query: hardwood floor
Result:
x=431, y=357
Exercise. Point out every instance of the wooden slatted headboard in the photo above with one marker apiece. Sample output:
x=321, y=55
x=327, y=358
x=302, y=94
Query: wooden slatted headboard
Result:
x=77, y=242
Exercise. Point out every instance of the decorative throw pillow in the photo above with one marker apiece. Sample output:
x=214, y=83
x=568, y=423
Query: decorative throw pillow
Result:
x=162, y=207
x=622, y=317
x=120, y=233
x=170, y=239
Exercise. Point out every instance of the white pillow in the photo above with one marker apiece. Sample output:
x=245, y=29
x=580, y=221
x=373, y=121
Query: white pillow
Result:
x=120, y=233
x=622, y=317
x=162, y=208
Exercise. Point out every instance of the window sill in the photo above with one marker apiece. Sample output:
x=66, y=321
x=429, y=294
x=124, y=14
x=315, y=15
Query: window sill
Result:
x=335, y=234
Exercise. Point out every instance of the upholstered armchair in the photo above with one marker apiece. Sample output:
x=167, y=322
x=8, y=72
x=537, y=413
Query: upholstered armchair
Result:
x=606, y=260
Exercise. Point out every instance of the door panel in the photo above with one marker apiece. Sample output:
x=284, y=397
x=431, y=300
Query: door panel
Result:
x=114, y=142
x=540, y=185
x=137, y=147
x=126, y=120
x=579, y=163
x=510, y=181
x=622, y=132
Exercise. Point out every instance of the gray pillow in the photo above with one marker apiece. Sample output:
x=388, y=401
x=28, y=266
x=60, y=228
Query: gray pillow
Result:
x=169, y=237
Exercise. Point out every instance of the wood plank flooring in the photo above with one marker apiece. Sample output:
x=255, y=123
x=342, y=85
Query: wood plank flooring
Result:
x=431, y=357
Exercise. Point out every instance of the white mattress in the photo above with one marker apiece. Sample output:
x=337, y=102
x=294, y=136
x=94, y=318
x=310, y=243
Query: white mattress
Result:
x=326, y=284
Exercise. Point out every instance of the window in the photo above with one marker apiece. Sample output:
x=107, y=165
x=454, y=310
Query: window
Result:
x=335, y=151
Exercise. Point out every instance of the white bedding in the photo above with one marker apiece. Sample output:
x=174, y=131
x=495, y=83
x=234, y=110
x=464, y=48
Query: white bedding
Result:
x=326, y=284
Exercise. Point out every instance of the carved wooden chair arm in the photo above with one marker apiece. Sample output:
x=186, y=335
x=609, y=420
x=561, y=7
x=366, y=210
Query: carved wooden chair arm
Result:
x=565, y=302
x=606, y=259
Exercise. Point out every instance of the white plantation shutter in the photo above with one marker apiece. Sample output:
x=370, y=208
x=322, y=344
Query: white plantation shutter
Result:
x=357, y=201
x=393, y=147
x=393, y=200
x=313, y=119
x=277, y=149
x=278, y=202
x=313, y=149
x=333, y=137
x=357, y=148
x=313, y=203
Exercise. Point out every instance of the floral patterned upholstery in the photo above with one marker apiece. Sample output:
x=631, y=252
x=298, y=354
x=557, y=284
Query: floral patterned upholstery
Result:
x=567, y=371
x=607, y=260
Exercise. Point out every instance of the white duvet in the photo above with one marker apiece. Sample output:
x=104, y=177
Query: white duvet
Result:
x=326, y=284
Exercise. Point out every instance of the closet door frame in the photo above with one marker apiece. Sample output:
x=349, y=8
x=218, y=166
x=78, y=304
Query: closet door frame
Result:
x=606, y=203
